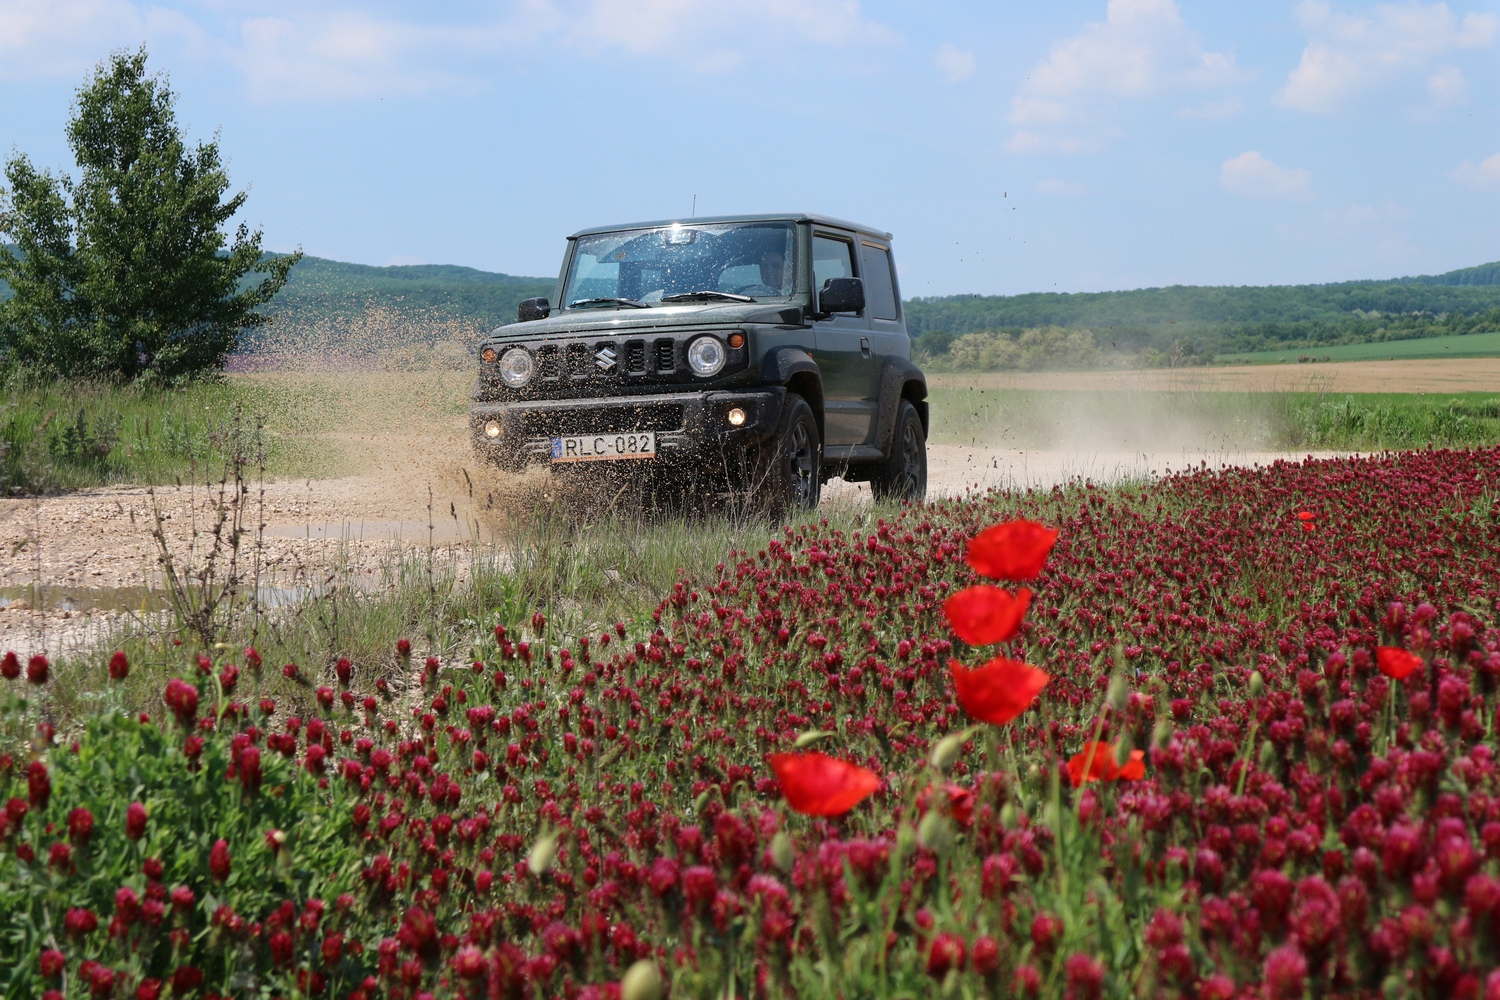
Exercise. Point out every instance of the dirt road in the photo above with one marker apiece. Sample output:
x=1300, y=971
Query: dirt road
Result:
x=1435, y=375
x=93, y=553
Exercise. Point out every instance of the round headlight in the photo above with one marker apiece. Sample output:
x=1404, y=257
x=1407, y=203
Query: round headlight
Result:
x=516, y=367
x=706, y=356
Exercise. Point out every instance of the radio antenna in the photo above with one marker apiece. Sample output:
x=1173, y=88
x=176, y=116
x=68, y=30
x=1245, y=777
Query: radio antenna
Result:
x=695, y=207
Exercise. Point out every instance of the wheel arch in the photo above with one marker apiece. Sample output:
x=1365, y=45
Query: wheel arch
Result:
x=900, y=379
x=796, y=369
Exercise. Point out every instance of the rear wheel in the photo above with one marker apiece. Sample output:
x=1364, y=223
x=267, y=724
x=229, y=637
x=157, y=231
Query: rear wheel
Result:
x=903, y=475
x=790, y=470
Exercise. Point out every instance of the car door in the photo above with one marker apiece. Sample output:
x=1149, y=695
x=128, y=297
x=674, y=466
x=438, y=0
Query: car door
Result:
x=842, y=349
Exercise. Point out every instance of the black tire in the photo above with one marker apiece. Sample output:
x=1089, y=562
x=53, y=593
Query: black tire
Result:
x=903, y=475
x=789, y=474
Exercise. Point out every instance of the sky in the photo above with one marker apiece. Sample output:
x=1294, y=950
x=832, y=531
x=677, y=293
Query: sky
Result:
x=1009, y=146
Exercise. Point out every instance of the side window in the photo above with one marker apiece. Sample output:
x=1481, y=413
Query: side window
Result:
x=880, y=290
x=831, y=259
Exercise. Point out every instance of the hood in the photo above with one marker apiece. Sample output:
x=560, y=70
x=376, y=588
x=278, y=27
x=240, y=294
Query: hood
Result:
x=626, y=320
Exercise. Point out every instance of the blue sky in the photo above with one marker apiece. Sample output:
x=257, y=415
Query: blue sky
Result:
x=1009, y=146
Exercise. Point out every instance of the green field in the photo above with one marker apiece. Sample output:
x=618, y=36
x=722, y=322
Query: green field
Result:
x=1471, y=345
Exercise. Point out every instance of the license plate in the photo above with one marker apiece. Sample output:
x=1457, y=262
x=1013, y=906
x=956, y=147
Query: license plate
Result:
x=603, y=447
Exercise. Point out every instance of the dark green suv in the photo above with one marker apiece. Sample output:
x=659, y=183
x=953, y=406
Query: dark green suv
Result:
x=757, y=354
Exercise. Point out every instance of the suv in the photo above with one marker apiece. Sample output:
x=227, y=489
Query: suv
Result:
x=761, y=354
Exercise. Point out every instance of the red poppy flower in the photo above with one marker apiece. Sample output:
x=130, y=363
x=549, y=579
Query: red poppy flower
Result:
x=1096, y=762
x=816, y=784
x=960, y=801
x=983, y=615
x=1015, y=550
x=998, y=691
x=1305, y=515
x=1396, y=663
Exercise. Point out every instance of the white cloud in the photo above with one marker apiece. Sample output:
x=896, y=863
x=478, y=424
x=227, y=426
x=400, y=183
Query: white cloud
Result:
x=1447, y=86
x=1352, y=53
x=956, y=64
x=289, y=50
x=1252, y=175
x=1059, y=188
x=1213, y=111
x=714, y=35
x=67, y=38
x=1142, y=49
x=348, y=55
x=1481, y=176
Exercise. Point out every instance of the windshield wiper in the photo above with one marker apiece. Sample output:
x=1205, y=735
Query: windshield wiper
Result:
x=633, y=303
x=707, y=293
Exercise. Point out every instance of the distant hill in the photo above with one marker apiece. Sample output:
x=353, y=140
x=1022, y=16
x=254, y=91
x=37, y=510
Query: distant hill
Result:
x=358, y=307
x=419, y=303
x=1201, y=321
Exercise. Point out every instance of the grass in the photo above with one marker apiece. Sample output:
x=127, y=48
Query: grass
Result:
x=583, y=573
x=1209, y=421
x=61, y=437
x=1472, y=345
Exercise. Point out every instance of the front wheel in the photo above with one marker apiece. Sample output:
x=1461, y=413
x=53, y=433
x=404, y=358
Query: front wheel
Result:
x=790, y=472
x=903, y=475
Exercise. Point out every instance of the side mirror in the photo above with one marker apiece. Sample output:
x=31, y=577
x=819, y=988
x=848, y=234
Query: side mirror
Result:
x=531, y=309
x=842, y=295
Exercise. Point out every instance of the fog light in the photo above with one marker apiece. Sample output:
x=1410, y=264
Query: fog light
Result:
x=736, y=417
x=492, y=429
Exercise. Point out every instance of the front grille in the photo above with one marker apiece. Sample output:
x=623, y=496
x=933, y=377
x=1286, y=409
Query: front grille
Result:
x=578, y=364
x=603, y=420
x=665, y=356
x=635, y=357
x=547, y=362
x=565, y=367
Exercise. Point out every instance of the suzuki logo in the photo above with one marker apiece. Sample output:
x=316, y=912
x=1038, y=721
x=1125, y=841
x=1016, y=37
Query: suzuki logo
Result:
x=604, y=358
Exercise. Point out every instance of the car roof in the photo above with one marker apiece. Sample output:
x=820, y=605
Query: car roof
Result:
x=826, y=220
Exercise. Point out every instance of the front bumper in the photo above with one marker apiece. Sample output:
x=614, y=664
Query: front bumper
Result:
x=689, y=426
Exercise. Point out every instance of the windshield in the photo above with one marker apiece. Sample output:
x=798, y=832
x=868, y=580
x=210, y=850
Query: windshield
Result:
x=613, y=270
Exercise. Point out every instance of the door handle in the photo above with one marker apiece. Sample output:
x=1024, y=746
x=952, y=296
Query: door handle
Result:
x=864, y=346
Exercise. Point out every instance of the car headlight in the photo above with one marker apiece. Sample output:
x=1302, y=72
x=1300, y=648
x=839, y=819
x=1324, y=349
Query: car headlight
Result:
x=516, y=367
x=706, y=356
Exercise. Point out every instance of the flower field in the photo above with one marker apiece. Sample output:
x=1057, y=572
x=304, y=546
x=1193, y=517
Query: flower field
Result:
x=1227, y=734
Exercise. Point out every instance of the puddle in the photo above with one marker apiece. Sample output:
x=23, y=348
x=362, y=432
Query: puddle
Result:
x=446, y=533
x=142, y=600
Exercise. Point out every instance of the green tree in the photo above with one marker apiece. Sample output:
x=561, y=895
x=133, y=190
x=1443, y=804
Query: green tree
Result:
x=127, y=272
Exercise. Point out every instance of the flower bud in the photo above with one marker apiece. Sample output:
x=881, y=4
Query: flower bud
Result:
x=1266, y=759
x=1050, y=816
x=543, y=853
x=1161, y=734
x=782, y=855
x=935, y=833
x=1009, y=815
x=1257, y=684
x=906, y=837
x=1119, y=690
x=1124, y=746
x=946, y=750
x=810, y=737
x=642, y=981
